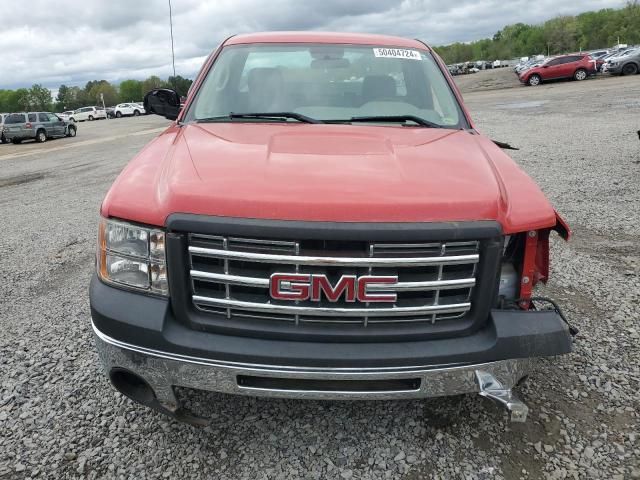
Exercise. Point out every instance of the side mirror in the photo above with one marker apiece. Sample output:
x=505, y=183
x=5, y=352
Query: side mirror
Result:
x=163, y=101
x=545, y=66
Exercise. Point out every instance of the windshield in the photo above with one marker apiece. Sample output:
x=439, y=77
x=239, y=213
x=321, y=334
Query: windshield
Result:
x=631, y=51
x=327, y=83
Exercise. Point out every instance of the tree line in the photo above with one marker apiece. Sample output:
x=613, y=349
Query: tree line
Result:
x=39, y=98
x=587, y=31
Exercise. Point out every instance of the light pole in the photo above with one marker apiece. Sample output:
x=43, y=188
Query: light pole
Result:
x=173, y=55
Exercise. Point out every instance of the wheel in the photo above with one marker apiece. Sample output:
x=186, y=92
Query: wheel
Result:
x=136, y=113
x=17, y=140
x=534, y=80
x=91, y=118
x=71, y=131
x=2, y=139
x=580, y=74
x=630, y=69
x=41, y=136
x=118, y=114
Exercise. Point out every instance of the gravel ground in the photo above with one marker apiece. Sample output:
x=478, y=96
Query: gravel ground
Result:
x=59, y=418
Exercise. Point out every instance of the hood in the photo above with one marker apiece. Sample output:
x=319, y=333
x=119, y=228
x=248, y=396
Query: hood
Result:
x=323, y=173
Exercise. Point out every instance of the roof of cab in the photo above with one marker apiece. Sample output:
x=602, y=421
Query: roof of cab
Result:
x=326, y=37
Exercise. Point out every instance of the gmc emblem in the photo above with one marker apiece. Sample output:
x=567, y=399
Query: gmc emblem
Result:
x=301, y=286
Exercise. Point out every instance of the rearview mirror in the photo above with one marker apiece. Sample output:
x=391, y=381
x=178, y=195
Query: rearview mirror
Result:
x=163, y=101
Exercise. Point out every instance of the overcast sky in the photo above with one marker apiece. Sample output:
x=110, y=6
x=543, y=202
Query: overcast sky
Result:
x=73, y=41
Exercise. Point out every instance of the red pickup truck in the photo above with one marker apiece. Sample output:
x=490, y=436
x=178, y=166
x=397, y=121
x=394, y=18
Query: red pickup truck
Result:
x=322, y=220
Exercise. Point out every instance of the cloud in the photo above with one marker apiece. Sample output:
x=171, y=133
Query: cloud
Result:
x=72, y=42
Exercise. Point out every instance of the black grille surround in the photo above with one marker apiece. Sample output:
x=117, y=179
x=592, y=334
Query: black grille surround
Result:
x=448, y=291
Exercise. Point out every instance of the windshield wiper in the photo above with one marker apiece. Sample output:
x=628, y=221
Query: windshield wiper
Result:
x=394, y=119
x=276, y=115
x=258, y=116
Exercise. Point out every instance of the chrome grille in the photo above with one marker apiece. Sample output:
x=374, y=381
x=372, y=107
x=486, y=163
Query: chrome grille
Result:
x=230, y=276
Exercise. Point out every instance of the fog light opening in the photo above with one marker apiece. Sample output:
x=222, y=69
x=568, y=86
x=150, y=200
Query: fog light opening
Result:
x=132, y=386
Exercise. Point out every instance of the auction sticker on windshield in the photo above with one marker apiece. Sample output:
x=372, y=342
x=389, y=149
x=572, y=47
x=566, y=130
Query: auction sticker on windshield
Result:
x=396, y=53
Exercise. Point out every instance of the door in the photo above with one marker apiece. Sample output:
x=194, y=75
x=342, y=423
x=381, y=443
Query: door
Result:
x=45, y=122
x=552, y=69
x=568, y=67
x=57, y=125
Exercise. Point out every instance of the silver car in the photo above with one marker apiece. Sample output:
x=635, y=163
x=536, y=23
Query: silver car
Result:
x=626, y=63
x=39, y=126
x=2, y=117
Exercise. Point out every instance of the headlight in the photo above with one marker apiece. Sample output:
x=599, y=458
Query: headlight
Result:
x=132, y=256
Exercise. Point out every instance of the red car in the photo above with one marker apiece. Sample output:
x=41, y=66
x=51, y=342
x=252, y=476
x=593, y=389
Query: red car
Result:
x=322, y=220
x=577, y=66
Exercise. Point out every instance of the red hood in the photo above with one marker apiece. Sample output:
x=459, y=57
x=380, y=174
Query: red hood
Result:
x=327, y=173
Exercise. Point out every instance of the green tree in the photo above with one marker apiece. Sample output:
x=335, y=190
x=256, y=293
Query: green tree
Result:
x=153, y=82
x=131, y=91
x=105, y=89
x=40, y=98
x=180, y=84
x=20, y=100
x=564, y=34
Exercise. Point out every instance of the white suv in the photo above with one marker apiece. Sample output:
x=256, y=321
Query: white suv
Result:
x=123, y=109
x=88, y=113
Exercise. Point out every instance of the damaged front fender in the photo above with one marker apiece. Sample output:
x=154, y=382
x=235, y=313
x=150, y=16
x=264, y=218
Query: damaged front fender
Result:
x=562, y=227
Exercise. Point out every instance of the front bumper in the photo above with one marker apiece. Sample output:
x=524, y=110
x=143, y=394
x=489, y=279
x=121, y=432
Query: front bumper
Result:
x=162, y=371
x=138, y=334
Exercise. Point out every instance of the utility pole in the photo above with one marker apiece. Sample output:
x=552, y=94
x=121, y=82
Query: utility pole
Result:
x=173, y=55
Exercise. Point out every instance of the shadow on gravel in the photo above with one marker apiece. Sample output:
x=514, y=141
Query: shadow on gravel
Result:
x=20, y=179
x=357, y=434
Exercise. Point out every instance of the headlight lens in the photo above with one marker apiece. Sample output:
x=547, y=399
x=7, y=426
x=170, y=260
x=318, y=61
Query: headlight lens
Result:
x=132, y=256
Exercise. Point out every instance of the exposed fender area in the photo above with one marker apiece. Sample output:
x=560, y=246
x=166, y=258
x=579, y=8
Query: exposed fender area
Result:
x=562, y=227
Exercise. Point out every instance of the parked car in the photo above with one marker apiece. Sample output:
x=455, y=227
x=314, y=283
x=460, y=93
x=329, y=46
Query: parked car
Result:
x=628, y=63
x=128, y=109
x=2, y=137
x=357, y=240
x=524, y=66
x=142, y=111
x=577, y=66
x=38, y=126
x=111, y=112
x=88, y=113
x=66, y=115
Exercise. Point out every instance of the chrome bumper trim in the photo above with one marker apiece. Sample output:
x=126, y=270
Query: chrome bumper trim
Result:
x=163, y=371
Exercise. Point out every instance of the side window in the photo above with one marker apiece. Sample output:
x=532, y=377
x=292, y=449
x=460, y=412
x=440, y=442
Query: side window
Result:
x=53, y=117
x=554, y=62
x=43, y=117
x=32, y=117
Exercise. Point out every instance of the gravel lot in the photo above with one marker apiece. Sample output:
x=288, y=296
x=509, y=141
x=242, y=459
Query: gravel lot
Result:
x=59, y=418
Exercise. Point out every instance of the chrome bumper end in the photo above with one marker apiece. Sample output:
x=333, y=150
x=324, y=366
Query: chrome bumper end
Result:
x=162, y=371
